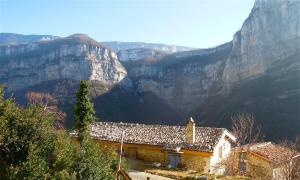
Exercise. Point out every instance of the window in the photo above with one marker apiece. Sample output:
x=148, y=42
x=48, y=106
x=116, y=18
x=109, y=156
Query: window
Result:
x=220, y=152
x=243, y=156
x=243, y=167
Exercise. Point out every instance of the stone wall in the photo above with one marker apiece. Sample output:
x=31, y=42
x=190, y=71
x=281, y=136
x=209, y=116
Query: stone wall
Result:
x=257, y=167
x=193, y=160
x=196, y=162
x=152, y=154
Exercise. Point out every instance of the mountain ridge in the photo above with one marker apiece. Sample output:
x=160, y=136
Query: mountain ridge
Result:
x=257, y=72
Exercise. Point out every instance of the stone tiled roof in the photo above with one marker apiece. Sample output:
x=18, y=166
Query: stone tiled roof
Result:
x=168, y=137
x=273, y=152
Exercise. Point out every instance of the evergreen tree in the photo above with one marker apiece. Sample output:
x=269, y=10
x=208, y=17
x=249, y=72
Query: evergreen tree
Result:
x=84, y=113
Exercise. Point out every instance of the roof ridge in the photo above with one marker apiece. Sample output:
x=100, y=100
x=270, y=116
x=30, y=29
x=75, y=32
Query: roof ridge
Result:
x=261, y=144
x=155, y=125
x=124, y=123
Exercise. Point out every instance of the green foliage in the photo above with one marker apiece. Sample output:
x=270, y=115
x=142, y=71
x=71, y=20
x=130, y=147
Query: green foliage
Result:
x=84, y=113
x=31, y=148
x=91, y=164
x=1, y=93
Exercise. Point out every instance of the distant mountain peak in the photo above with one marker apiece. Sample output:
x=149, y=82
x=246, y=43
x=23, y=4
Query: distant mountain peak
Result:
x=15, y=39
x=84, y=39
x=118, y=45
x=81, y=37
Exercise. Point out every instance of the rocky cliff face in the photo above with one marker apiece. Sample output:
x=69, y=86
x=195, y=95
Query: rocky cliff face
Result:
x=183, y=80
x=270, y=34
x=258, y=72
x=14, y=39
x=117, y=46
x=137, y=54
x=76, y=57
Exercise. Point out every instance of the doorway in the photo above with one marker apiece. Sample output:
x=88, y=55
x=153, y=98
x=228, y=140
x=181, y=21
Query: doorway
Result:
x=174, y=159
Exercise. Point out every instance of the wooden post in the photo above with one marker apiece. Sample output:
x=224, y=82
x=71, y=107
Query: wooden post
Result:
x=121, y=151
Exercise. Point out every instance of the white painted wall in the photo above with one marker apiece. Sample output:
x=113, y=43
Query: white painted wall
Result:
x=225, y=145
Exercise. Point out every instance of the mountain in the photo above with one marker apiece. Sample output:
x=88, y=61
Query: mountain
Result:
x=75, y=57
x=127, y=51
x=131, y=51
x=117, y=46
x=13, y=39
x=257, y=72
x=269, y=35
x=139, y=53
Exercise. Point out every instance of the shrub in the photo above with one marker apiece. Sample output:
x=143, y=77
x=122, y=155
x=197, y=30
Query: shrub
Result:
x=31, y=148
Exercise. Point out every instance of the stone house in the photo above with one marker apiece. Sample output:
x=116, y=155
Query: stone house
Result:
x=266, y=160
x=196, y=148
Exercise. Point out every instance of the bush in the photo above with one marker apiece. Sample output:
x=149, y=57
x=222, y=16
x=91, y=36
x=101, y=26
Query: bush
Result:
x=31, y=148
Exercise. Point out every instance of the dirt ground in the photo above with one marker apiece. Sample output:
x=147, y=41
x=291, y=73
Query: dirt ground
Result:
x=138, y=175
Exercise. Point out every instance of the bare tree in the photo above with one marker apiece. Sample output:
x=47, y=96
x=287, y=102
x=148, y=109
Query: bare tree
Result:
x=245, y=129
x=290, y=168
x=246, y=132
x=297, y=143
x=43, y=99
x=49, y=104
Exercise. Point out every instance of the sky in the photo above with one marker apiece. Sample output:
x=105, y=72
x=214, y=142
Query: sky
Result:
x=193, y=23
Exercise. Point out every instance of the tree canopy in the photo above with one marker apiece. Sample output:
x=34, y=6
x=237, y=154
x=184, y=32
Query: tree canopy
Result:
x=31, y=148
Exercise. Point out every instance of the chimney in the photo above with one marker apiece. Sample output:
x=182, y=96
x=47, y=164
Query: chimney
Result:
x=190, y=131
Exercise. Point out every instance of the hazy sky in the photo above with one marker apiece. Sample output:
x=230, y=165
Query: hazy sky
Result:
x=195, y=23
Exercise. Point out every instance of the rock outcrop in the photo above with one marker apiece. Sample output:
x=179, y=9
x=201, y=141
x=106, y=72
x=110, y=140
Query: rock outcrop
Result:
x=271, y=33
x=117, y=46
x=14, y=39
x=183, y=80
x=257, y=72
x=137, y=54
x=76, y=57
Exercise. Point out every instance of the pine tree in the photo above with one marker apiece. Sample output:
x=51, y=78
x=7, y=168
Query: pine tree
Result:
x=84, y=113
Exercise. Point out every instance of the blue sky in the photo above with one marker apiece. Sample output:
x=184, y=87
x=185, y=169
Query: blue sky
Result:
x=195, y=23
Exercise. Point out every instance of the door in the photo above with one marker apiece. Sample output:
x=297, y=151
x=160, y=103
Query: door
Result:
x=174, y=160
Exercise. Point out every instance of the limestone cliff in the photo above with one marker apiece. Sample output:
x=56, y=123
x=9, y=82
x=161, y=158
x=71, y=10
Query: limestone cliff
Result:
x=271, y=33
x=137, y=54
x=183, y=80
x=257, y=72
x=117, y=46
x=76, y=57
x=14, y=39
